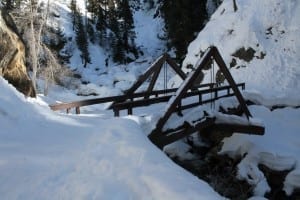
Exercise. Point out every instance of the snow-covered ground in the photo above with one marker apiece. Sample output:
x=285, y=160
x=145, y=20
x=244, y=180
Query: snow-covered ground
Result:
x=47, y=155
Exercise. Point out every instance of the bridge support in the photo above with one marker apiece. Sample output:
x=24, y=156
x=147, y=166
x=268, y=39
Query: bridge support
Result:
x=158, y=137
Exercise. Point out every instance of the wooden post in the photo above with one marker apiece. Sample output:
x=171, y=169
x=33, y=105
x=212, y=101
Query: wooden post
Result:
x=200, y=98
x=129, y=110
x=235, y=8
x=179, y=109
x=243, y=86
x=216, y=94
x=219, y=60
x=175, y=67
x=153, y=80
x=116, y=112
x=77, y=110
x=153, y=68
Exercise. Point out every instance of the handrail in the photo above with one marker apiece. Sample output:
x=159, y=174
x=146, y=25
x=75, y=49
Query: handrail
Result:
x=120, y=98
x=145, y=102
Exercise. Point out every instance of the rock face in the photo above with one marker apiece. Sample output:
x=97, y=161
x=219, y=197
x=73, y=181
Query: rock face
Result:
x=12, y=56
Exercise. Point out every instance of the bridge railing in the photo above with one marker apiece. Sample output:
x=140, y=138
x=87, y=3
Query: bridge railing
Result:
x=129, y=105
x=153, y=96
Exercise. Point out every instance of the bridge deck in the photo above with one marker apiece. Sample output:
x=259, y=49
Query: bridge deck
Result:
x=161, y=139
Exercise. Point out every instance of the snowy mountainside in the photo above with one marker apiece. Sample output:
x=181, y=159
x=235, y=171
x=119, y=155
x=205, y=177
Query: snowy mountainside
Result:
x=269, y=30
x=102, y=74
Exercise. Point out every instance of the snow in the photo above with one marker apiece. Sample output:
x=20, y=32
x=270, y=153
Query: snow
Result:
x=102, y=74
x=271, y=28
x=278, y=149
x=147, y=30
x=46, y=155
x=278, y=72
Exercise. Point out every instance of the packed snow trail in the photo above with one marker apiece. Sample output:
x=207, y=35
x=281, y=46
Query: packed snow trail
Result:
x=45, y=155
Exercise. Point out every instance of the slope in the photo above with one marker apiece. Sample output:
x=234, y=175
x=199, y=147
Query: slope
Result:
x=259, y=41
x=44, y=155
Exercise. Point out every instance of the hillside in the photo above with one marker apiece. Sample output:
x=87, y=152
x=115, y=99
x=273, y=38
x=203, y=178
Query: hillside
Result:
x=259, y=43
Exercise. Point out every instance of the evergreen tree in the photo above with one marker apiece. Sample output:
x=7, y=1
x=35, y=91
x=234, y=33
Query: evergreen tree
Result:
x=101, y=25
x=127, y=25
x=92, y=8
x=122, y=25
x=183, y=19
x=115, y=35
x=91, y=31
x=73, y=8
x=81, y=38
x=113, y=18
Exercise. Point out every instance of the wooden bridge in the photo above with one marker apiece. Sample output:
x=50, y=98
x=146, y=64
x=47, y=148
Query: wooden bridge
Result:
x=187, y=96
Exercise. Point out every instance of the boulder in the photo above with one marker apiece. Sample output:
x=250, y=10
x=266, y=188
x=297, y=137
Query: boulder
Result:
x=12, y=56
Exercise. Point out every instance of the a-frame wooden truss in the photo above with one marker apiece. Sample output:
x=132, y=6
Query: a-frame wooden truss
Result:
x=154, y=70
x=157, y=136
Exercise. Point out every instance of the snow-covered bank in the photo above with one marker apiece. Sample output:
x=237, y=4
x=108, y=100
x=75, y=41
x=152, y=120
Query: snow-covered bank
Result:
x=271, y=29
x=278, y=149
x=260, y=43
x=44, y=155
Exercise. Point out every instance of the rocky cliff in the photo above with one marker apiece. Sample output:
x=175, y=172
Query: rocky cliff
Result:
x=12, y=56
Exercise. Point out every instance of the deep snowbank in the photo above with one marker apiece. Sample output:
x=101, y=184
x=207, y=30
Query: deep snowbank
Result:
x=278, y=149
x=44, y=155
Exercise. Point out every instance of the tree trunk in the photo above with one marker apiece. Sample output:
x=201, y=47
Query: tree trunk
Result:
x=33, y=50
x=235, y=8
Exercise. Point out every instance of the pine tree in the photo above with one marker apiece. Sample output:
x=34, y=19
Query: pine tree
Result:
x=92, y=8
x=122, y=25
x=127, y=26
x=91, y=31
x=101, y=25
x=81, y=38
x=113, y=18
x=183, y=19
x=115, y=35
x=73, y=8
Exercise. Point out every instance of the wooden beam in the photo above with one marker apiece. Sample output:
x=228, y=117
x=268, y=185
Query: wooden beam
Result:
x=121, y=98
x=219, y=60
x=175, y=67
x=154, y=67
x=187, y=130
x=77, y=110
x=153, y=81
x=145, y=102
x=240, y=128
x=186, y=85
